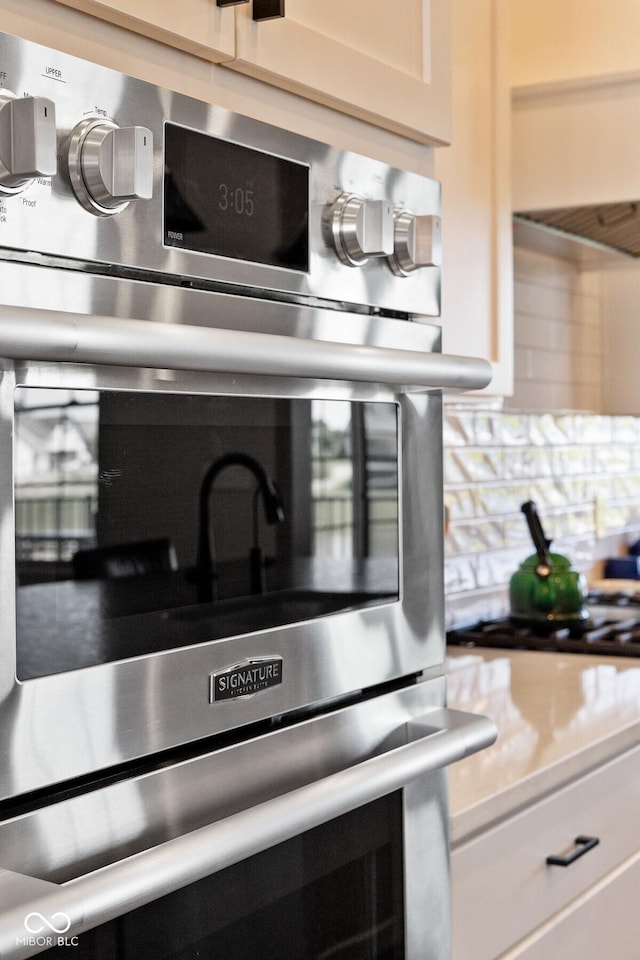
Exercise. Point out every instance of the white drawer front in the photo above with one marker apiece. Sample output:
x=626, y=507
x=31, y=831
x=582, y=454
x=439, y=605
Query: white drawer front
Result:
x=502, y=886
x=603, y=923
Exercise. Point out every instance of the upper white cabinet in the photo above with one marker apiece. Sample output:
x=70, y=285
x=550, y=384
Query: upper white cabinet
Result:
x=198, y=27
x=387, y=64
x=477, y=269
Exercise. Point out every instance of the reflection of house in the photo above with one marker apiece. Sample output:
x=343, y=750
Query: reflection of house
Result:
x=30, y=446
x=355, y=478
x=46, y=446
x=55, y=477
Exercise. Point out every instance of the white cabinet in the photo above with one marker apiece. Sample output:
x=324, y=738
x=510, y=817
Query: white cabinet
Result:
x=604, y=923
x=198, y=27
x=387, y=64
x=477, y=270
x=508, y=902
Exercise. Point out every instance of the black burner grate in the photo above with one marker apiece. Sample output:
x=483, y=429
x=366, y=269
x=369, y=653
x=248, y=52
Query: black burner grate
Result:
x=599, y=635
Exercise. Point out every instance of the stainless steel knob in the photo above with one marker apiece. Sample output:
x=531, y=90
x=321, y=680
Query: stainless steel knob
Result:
x=109, y=166
x=417, y=243
x=361, y=229
x=27, y=140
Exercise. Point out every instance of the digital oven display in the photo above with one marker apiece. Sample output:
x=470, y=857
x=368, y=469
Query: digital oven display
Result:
x=232, y=201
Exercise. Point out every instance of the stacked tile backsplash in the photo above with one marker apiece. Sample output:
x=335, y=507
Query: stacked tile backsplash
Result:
x=557, y=334
x=583, y=472
x=581, y=468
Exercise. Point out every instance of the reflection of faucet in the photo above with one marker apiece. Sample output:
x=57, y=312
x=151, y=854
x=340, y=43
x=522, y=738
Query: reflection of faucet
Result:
x=274, y=513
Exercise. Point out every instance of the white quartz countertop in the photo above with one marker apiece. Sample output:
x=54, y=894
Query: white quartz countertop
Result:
x=558, y=716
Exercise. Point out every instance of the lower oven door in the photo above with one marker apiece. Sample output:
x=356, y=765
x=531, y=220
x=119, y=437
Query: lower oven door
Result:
x=324, y=839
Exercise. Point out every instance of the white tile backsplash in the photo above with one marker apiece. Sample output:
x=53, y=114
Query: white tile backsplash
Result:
x=550, y=443
x=557, y=332
x=580, y=469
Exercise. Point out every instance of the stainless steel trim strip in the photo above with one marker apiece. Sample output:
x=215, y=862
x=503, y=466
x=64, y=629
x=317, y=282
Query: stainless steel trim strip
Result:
x=28, y=334
x=435, y=740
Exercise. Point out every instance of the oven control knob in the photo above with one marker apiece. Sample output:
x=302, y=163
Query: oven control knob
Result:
x=417, y=243
x=109, y=166
x=361, y=228
x=27, y=140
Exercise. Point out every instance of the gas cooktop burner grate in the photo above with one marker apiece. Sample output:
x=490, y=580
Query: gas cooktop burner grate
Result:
x=618, y=598
x=599, y=635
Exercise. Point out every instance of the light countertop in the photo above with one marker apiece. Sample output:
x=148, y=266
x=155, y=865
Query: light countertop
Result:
x=558, y=716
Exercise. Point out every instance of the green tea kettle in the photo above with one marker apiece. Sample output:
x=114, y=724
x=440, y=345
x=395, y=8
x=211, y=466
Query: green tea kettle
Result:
x=545, y=590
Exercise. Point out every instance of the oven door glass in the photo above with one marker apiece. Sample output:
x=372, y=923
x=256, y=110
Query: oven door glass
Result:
x=151, y=521
x=333, y=893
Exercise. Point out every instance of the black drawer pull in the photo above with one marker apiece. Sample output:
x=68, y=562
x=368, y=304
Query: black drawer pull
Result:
x=268, y=9
x=262, y=9
x=583, y=845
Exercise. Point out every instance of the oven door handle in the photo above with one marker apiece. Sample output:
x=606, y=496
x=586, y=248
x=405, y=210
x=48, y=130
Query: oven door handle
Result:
x=30, y=334
x=33, y=908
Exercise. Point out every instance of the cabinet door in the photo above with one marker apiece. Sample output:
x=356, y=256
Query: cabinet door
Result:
x=385, y=63
x=477, y=266
x=199, y=26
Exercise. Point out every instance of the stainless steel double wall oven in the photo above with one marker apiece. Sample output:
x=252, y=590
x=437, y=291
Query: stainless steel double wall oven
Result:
x=223, y=729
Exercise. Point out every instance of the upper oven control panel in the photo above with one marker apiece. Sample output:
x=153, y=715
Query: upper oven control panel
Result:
x=102, y=169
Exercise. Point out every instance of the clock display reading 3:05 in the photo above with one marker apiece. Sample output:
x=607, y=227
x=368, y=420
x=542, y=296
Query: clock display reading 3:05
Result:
x=237, y=199
x=230, y=200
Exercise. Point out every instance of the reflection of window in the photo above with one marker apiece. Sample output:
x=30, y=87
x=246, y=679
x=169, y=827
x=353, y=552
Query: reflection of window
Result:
x=55, y=473
x=354, y=478
x=335, y=462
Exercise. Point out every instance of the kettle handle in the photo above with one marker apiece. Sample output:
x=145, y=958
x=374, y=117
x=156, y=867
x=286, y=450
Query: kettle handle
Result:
x=539, y=540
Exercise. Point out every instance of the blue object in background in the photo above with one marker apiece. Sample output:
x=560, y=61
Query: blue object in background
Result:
x=622, y=568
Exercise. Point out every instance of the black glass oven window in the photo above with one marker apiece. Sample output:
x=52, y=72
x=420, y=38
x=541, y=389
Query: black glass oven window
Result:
x=333, y=893
x=149, y=521
x=226, y=199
